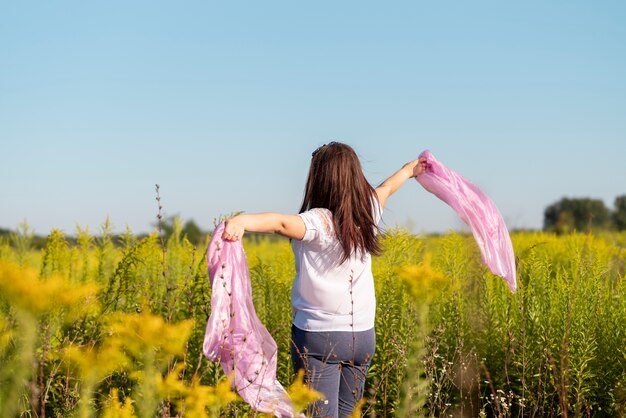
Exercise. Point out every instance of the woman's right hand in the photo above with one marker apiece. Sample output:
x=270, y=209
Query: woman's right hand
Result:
x=416, y=167
x=421, y=166
x=408, y=170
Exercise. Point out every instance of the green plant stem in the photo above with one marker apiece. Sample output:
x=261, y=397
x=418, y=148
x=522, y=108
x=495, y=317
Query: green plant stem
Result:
x=20, y=368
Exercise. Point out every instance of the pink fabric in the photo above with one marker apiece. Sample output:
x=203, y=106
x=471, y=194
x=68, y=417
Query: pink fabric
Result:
x=476, y=210
x=234, y=334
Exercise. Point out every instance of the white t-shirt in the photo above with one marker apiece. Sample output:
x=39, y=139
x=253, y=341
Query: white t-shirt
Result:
x=320, y=297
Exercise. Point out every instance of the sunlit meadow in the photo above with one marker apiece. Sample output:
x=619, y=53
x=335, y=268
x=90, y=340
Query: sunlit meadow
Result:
x=115, y=329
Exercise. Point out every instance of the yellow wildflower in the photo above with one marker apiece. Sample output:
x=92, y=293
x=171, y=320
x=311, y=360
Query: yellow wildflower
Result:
x=22, y=289
x=424, y=282
x=200, y=397
x=146, y=331
x=301, y=394
x=113, y=409
x=172, y=386
x=95, y=363
x=196, y=398
x=6, y=334
x=358, y=409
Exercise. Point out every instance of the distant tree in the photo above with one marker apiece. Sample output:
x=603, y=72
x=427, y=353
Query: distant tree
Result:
x=172, y=224
x=619, y=216
x=568, y=215
x=166, y=226
x=193, y=232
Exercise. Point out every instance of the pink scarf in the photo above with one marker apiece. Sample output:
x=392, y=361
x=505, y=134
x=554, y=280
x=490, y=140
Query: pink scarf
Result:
x=476, y=210
x=234, y=334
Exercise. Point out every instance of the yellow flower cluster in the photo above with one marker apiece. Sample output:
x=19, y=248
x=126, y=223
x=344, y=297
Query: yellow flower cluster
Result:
x=423, y=281
x=194, y=399
x=6, y=334
x=302, y=395
x=145, y=331
x=113, y=408
x=24, y=290
x=95, y=363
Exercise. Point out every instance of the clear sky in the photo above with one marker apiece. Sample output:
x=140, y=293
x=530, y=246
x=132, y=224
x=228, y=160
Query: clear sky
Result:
x=222, y=103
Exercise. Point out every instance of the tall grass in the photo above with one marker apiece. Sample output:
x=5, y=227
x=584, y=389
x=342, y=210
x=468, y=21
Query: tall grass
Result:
x=556, y=348
x=121, y=331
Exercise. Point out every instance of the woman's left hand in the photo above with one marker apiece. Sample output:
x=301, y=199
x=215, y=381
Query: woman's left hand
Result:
x=233, y=229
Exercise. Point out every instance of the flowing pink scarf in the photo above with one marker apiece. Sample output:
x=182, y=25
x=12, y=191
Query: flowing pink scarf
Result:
x=234, y=334
x=476, y=210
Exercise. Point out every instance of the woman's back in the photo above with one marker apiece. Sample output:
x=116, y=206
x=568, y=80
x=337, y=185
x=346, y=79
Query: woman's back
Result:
x=328, y=293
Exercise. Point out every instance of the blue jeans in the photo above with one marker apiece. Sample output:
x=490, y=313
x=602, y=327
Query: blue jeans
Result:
x=335, y=364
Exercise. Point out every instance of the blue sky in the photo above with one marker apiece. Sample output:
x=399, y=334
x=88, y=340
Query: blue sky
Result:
x=222, y=103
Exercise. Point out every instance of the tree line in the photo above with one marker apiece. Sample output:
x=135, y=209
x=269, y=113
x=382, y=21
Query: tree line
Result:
x=584, y=214
x=562, y=217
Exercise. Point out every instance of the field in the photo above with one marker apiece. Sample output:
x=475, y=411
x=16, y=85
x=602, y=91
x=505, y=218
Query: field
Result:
x=97, y=329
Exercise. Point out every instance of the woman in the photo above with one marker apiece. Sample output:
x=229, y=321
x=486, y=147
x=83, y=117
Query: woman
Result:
x=333, y=301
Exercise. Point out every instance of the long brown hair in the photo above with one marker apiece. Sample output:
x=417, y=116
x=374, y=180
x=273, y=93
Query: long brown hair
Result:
x=336, y=182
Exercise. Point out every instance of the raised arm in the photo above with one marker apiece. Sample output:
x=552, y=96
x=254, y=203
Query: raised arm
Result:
x=290, y=226
x=393, y=183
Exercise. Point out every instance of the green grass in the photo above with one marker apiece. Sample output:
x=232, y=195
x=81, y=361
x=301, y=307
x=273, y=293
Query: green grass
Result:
x=466, y=347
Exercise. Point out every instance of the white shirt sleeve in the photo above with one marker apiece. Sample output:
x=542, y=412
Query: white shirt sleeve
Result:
x=310, y=222
x=319, y=227
x=318, y=222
